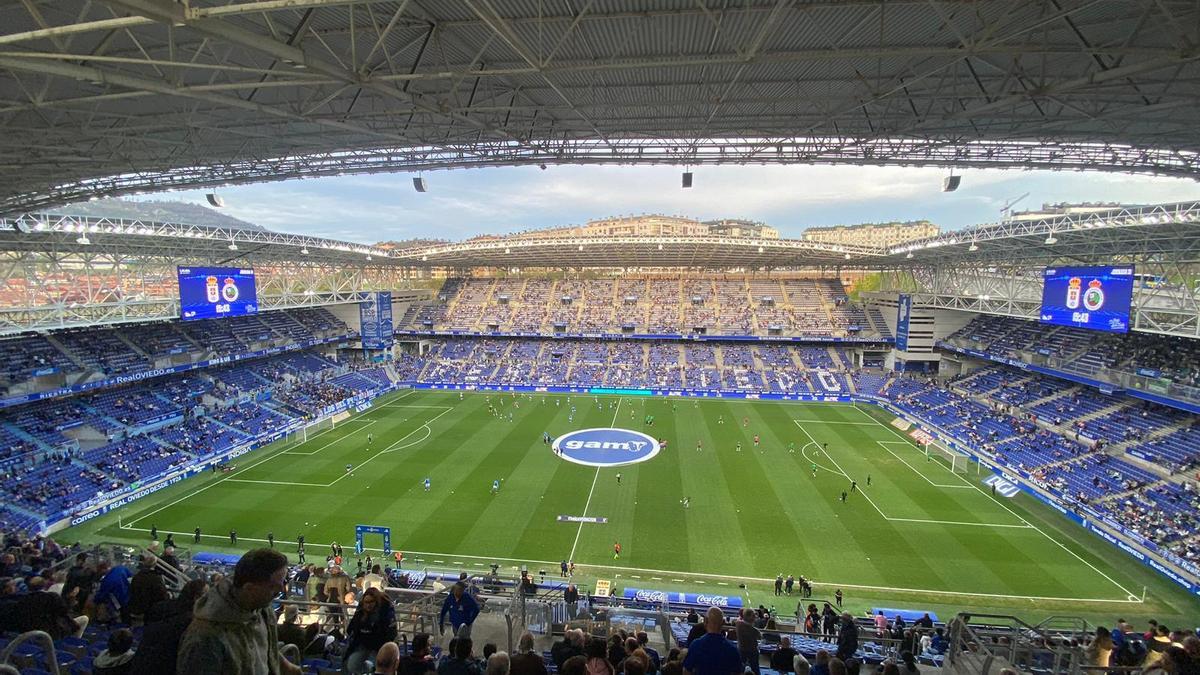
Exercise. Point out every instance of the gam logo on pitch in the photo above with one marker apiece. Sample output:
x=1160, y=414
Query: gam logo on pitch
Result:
x=606, y=447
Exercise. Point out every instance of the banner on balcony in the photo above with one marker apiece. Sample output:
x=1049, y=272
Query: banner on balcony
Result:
x=375, y=320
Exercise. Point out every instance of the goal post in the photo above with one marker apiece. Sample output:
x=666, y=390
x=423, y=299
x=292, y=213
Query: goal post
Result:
x=958, y=462
x=301, y=435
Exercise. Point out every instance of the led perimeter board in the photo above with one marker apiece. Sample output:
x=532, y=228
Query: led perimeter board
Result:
x=1098, y=298
x=210, y=292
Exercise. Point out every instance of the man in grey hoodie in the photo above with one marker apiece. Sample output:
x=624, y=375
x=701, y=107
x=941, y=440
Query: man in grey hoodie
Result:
x=233, y=629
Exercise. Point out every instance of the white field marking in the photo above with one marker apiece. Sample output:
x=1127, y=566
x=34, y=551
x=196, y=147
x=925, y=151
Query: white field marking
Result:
x=275, y=482
x=414, y=405
x=235, y=473
x=900, y=520
x=333, y=442
x=722, y=583
x=1014, y=513
x=959, y=522
x=634, y=576
x=591, y=491
x=428, y=433
x=915, y=470
x=196, y=492
x=396, y=445
x=843, y=472
x=804, y=454
x=855, y=424
x=691, y=576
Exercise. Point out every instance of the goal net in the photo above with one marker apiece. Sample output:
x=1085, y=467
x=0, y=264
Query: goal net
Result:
x=306, y=432
x=958, y=462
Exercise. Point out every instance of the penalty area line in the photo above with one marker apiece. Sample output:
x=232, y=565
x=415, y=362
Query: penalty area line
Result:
x=1037, y=529
x=281, y=451
x=334, y=441
x=845, y=475
x=915, y=470
x=397, y=445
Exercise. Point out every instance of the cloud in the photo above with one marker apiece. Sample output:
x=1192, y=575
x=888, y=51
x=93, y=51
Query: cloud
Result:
x=464, y=203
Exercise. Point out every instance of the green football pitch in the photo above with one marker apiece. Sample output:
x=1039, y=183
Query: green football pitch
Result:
x=920, y=535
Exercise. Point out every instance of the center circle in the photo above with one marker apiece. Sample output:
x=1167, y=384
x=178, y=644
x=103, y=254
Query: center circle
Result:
x=606, y=446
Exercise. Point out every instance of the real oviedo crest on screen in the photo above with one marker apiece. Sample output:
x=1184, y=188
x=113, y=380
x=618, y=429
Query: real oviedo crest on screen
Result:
x=606, y=447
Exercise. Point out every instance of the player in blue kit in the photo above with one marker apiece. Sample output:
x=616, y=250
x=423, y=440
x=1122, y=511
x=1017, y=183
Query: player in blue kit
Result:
x=427, y=484
x=495, y=487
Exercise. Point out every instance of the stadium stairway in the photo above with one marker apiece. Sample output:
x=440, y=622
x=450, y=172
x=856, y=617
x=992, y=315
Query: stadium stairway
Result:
x=390, y=370
x=67, y=352
x=849, y=382
x=107, y=418
x=1117, y=497
x=1052, y=397
x=887, y=385
x=1103, y=412
x=25, y=436
x=1120, y=448
x=120, y=335
x=21, y=510
x=836, y=356
x=173, y=448
x=1068, y=461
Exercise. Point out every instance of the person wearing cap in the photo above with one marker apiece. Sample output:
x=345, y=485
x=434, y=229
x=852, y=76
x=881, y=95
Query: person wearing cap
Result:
x=462, y=609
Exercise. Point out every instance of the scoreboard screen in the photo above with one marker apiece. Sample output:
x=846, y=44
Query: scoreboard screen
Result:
x=212, y=292
x=1098, y=298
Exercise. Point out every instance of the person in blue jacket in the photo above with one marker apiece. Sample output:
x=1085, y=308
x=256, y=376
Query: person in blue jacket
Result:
x=113, y=593
x=462, y=609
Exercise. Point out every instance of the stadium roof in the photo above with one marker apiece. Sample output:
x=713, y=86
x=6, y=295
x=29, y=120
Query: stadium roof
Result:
x=641, y=251
x=119, y=96
x=132, y=239
x=1162, y=233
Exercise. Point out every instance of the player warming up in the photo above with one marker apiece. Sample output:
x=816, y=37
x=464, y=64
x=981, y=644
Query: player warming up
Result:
x=616, y=550
x=495, y=487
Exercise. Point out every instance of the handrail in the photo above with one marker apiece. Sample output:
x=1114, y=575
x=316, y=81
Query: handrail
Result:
x=174, y=578
x=44, y=641
x=288, y=650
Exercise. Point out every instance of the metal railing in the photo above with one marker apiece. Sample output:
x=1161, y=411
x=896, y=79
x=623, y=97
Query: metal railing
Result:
x=982, y=644
x=45, y=642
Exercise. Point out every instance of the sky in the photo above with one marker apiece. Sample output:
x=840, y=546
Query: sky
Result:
x=467, y=202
